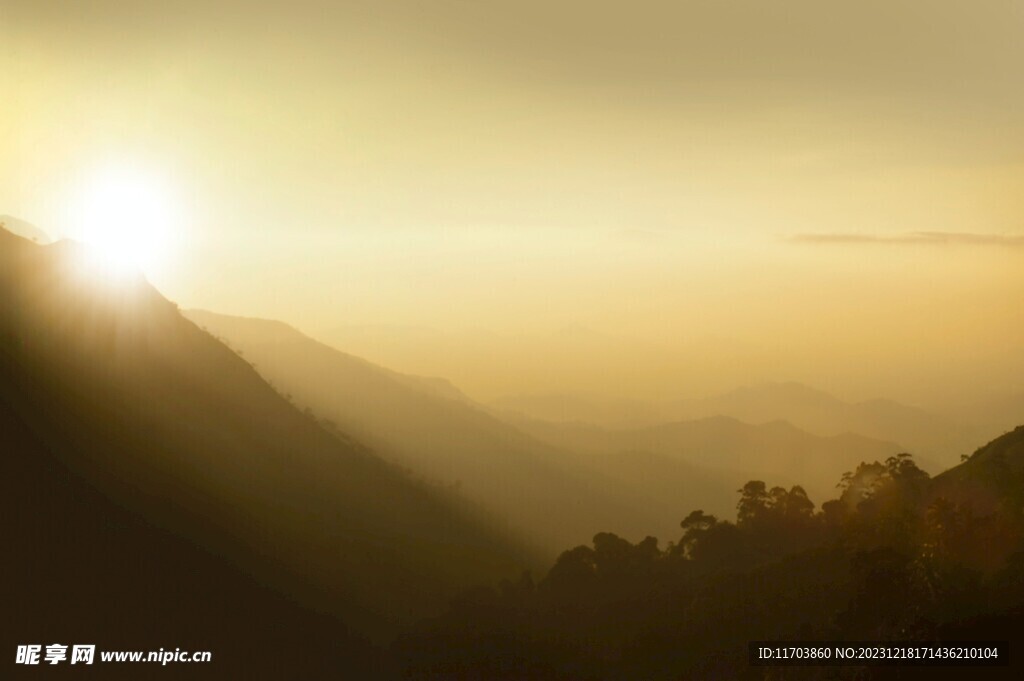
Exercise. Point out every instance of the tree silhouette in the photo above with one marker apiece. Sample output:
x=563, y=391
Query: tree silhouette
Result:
x=886, y=560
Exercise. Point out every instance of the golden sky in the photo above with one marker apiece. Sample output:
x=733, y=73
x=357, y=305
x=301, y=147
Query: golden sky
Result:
x=707, y=193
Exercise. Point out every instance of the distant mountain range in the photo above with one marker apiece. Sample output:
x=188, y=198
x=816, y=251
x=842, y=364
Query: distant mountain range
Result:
x=936, y=439
x=528, y=471
x=932, y=437
x=721, y=448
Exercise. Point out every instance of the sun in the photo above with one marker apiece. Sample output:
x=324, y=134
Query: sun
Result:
x=125, y=216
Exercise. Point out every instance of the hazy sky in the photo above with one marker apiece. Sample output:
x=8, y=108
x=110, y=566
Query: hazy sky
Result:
x=643, y=198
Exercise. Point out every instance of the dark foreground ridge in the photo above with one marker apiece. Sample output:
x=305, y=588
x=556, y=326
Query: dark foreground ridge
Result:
x=158, y=493
x=897, y=557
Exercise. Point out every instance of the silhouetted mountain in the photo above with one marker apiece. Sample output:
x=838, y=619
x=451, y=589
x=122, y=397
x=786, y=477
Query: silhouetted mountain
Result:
x=23, y=229
x=720, y=449
x=891, y=559
x=431, y=428
x=937, y=439
x=82, y=569
x=930, y=436
x=158, y=492
x=241, y=332
x=658, y=472
x=990, y=478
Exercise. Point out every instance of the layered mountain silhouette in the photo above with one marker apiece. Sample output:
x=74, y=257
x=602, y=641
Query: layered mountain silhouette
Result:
x=23, y=229
x=936, y=439
x=227, y=484
x=632, y=481
x=160, y=493
x=720, y=448
x=428, y=426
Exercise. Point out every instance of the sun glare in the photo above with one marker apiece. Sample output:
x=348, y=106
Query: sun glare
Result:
x=126, y=217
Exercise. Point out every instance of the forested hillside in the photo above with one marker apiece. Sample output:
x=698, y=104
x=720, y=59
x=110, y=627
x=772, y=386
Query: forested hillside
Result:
x=897, y=556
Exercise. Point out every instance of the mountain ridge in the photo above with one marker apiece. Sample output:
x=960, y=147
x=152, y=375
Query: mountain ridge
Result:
x=777, y=451
x=933, y=437
x=140, y=405
x=452, y=441
x=25, y=230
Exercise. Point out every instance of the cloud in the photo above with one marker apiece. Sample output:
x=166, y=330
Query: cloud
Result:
x=925, y=238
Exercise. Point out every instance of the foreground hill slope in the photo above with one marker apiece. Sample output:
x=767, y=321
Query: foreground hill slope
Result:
x=898, y=556
x=82, y=569
x=109, y=393
x=991, y=479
